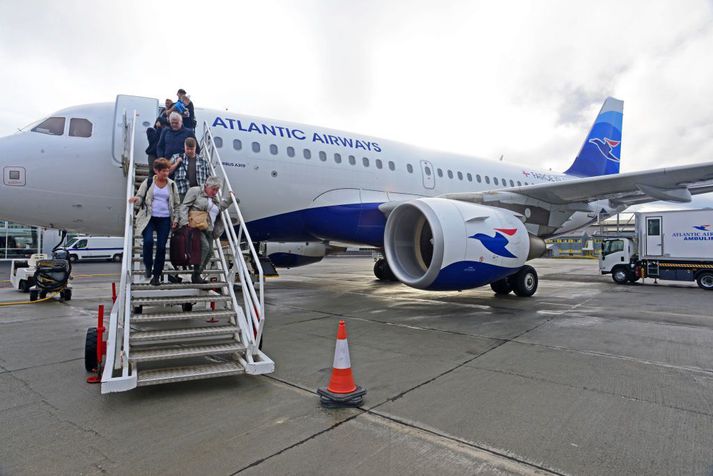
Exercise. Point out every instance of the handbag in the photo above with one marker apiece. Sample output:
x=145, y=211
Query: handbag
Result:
x=198, y=219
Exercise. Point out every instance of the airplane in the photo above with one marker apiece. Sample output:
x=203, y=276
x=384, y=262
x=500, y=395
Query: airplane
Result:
x=443, y=221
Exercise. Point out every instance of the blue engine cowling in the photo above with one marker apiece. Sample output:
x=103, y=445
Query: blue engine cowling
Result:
x=293, y=255
x=443, y=244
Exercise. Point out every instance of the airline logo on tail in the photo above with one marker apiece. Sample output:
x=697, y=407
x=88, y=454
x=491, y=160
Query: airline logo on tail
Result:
x=605, y=147
x=497, y=244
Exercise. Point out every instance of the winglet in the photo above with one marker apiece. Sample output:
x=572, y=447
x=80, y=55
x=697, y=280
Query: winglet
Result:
x=601, y=152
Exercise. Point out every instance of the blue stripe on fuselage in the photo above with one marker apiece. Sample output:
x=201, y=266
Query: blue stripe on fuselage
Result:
x=355, y=223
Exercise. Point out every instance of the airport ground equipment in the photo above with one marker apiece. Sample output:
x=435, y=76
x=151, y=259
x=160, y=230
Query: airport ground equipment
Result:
x=22, y=272
x=675, y=245
x=180, y=331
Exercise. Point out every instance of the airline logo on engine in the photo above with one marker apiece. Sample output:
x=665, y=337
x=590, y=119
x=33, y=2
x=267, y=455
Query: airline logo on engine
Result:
x=497, y=244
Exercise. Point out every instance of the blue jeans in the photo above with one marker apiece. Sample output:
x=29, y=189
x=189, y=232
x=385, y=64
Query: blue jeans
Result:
x=162, y=226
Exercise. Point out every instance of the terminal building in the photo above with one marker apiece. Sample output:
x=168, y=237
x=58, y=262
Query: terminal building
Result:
x=20, y=241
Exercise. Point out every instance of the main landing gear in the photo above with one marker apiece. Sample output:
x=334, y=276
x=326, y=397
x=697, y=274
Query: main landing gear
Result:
x=382, y=270
x=523, y=283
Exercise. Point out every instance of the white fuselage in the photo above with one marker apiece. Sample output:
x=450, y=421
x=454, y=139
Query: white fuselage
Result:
x=285, y=174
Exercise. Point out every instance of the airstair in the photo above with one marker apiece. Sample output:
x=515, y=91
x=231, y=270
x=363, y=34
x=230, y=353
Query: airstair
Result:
x=181, y=331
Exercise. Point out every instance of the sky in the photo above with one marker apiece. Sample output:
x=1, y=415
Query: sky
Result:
x=522, y=79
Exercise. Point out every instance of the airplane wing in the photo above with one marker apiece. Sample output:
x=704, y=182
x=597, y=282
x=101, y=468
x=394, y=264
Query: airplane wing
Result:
x=549, y=205
x=673, y=184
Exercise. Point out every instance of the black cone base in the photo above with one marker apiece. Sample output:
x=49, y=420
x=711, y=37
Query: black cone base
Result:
x=336, y=400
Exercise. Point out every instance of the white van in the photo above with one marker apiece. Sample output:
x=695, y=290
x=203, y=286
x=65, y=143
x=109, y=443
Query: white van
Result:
x=96, y=247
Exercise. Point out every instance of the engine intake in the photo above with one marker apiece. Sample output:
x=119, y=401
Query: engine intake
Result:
x=442, y=244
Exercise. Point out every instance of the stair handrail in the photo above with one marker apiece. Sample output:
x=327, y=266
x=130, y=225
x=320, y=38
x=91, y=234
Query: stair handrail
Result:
x=124, y=301
x=254, y=301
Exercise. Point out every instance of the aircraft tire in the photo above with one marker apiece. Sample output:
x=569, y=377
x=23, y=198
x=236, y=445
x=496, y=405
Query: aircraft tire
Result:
x=524, y=282
x=620, y=274
x=501, y=287
x=705, y=280
x=382, y=270
x=90, y=350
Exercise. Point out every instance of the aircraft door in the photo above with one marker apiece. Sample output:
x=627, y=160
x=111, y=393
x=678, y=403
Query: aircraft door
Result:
x=147, y=109
x=428, y=174
x=654, y=242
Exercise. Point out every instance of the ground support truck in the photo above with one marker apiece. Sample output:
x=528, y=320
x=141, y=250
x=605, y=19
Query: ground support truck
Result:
x=675, y=245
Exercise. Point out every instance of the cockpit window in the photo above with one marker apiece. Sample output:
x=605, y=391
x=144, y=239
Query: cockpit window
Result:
x=80, y=128
x=53, y=126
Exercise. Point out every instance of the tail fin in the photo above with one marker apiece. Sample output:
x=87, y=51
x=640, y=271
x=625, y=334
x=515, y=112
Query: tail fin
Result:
x=601, y=150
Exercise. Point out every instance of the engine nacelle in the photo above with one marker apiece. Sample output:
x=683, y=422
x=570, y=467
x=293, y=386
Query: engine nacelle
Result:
x=442, y=244
x=292, y=255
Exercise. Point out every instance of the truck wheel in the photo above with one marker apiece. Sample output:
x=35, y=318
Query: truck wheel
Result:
x=524, y=282
x=66, y=294
x=116, y=258
x=501, y=287
x=73, y=258
x=620, y=275
x=705, y=280
x=90, y=350
x=633, y=278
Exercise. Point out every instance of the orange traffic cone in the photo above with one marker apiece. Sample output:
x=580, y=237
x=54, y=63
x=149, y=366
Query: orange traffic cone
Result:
x=341, y=391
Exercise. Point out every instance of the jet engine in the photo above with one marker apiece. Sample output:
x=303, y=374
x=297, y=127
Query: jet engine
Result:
x=292, y=255
x=443, y=244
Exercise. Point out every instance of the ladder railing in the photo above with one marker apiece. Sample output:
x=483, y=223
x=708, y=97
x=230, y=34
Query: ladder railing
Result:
x=119, y=326
x=253, y=299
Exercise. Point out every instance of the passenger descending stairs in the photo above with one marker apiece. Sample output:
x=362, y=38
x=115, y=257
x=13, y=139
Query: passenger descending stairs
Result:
x=180, y=331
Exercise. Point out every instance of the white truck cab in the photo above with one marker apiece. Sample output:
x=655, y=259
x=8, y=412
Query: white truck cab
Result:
x=616, y=259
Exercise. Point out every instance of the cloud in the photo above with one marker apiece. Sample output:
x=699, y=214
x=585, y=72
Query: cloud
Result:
x=523, y=79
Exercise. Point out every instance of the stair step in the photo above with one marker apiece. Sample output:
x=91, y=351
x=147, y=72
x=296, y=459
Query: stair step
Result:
x=144, y=336
x=184, y=352
x=138, y=259
x=193, y=372
x=189, y=271
x=154, y=301
x=150, y=287
x=176, y=316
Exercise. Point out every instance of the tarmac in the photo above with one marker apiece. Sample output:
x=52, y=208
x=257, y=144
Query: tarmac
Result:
x=586, y=377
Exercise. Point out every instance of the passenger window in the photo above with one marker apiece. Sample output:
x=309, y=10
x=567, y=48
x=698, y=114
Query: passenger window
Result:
x=460, y=175
x=440, y=172
x=487, y=179
x=409, y=167
x=322, y=156
x=80, y=128
x=256, y=147
x=290, y=151
x=237, y=144
x=450, y=174
x=378, y=163
x=477, y=177
x=337, y=158
x=352, y=160
x=495, y=181
x=53, y=126
x=469, y=177
x=219, y=142
x=273, y=149
x=505, y=182
x=519, y=184
x=392, y=166
x=307, y=154
x=365, y=161
x=428, y=171
x=512, y=184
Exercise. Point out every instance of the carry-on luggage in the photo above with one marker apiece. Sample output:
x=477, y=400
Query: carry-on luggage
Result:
x=186, y=247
